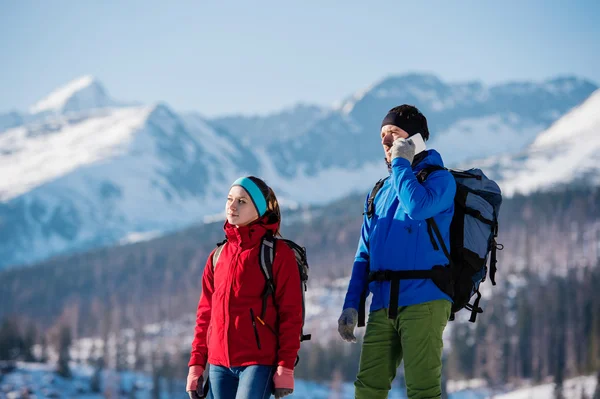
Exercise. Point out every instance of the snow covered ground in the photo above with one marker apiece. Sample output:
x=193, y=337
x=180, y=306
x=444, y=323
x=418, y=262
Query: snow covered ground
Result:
x=31, y=380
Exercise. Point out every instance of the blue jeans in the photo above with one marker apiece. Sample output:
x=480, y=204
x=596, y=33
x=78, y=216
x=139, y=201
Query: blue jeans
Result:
x=250, y=382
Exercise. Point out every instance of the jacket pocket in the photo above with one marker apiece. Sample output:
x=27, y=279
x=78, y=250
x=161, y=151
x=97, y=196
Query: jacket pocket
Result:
x=255, y=329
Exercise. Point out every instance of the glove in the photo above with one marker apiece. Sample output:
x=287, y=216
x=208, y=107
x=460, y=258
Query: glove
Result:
x=284, y=382
x=346, y=324
x=281, y=392
x=403, y=148
x=195, y=381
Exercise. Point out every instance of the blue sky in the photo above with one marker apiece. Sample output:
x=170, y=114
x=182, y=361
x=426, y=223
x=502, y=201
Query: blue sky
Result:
x=257, y=57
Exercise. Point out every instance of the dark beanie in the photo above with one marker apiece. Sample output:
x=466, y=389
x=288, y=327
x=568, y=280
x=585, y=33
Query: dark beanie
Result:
x=411, y=122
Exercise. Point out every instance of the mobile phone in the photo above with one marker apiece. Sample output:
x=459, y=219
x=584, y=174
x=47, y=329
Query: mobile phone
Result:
x=417, y=139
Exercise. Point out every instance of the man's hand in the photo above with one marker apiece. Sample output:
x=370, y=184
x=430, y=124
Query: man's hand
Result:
x=346, y=324
x=403, y=148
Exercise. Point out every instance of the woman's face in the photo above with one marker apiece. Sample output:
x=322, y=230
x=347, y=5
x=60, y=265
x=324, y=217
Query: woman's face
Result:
x=239, y=209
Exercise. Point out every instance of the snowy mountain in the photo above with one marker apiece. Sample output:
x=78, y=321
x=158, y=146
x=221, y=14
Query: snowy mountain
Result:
x=80, y=182
x=466, y=120
x=81, y=94
x=83, y=170
x=566, y=153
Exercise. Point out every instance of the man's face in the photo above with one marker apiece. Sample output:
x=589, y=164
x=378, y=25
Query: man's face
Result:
x=389, y=133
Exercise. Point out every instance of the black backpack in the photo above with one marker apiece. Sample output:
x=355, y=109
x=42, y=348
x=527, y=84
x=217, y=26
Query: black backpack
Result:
x=266, y=257
x=473, y=233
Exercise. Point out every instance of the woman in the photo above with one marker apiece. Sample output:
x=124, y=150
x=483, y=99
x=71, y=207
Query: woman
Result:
x=251, y=350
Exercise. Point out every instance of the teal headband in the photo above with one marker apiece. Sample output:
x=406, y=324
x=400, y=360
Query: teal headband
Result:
x=257, y=197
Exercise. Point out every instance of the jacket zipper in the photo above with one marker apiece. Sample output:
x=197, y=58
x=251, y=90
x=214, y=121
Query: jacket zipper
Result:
x=255, y=330
x=227, y=297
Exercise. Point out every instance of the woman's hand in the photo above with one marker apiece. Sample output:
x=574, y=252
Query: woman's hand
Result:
x=195, y=381
x=284, y=382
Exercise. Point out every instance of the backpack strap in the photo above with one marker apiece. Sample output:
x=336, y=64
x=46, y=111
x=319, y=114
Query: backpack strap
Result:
x=495, y=247
x=475, y=307
x=432, y=227
x=371, y=201
x=303, y=281
x=424, y=173
x=266, y=257
x=217, y=253
x=300, y=253
x=362, y=306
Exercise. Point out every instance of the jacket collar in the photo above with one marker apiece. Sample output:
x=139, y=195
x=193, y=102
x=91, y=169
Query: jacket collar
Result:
x=418, y=158
x=250, y=235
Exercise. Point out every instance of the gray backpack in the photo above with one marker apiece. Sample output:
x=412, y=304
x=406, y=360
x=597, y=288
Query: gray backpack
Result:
x=473, y=234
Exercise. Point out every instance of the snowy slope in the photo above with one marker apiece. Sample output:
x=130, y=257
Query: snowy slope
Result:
x=37, y=153
x=40, y=379
x=489, y=135
x=572, y=389
x=567, y=153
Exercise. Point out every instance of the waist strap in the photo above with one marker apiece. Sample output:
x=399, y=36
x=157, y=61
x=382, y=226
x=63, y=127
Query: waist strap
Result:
x=439, y=274
x=391, y=275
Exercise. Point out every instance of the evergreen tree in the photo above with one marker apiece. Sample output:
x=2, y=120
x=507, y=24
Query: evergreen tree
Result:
x=155, y=377
x=597, y=392
x=10, y=340
x=559, y=376
x=64, y=344
x=28, y=343
x=96, y=380
x=44, y=349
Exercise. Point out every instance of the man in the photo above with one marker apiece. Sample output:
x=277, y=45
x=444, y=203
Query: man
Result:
x=408, y=313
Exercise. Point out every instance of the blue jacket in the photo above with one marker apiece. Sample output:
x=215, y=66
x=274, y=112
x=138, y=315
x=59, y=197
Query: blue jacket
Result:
x=396, y=237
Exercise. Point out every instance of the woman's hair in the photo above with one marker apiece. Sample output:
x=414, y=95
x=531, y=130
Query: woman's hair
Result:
x=273, y=213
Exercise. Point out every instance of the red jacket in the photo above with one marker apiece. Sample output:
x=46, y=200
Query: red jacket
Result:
x=225, y=334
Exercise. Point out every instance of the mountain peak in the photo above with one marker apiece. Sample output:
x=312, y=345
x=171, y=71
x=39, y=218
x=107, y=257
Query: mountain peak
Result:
x=80, y=94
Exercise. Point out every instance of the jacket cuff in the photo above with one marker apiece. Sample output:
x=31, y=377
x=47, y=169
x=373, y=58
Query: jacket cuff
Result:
x=287, y=363
x=197, y=360
x=402, y=162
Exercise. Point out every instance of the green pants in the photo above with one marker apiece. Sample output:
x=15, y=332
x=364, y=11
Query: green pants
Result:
x=416, y=336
